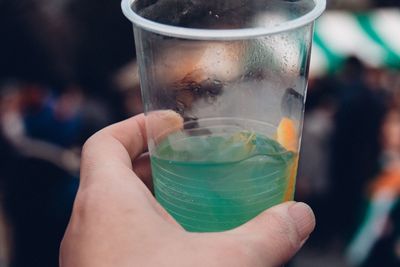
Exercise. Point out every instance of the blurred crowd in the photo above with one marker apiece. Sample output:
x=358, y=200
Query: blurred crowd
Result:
x=67, y=69
x=350, y=163
x=62, y=78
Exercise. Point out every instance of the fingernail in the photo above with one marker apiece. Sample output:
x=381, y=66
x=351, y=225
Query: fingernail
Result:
x=303, y=218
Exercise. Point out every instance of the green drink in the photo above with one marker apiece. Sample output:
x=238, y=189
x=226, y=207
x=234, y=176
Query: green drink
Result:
x=211, y=183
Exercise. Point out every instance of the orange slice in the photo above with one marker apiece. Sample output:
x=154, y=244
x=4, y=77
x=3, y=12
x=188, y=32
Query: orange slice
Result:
x=287, y=137
x=289, y=194
x=286, y=134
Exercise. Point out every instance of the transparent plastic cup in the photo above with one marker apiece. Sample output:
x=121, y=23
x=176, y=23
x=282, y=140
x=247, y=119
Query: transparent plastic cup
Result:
x=224, y=86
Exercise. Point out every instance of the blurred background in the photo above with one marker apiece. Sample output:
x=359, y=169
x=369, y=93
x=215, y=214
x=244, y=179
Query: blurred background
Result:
x=67, y=69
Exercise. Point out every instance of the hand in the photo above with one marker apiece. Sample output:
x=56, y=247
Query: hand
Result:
x=117, y=222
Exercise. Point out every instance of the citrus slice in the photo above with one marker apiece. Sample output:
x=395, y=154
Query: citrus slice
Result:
x=289, y=194
x=286, y=134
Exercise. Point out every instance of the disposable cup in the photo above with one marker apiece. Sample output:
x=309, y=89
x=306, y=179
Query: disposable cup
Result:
x=224, y=86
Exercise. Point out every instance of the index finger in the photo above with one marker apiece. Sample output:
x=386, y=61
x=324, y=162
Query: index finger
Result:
x=114, y=148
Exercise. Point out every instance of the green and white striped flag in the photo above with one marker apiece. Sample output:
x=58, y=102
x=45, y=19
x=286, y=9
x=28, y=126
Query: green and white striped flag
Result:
x=374, y=37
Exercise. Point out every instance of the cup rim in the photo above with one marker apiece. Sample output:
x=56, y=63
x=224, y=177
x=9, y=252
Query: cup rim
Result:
x=219, y=34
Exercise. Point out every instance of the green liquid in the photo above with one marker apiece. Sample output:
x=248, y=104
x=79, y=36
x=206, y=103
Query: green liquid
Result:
x=218, y=182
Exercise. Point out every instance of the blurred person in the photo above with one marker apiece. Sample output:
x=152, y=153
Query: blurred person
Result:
x=61, y=119
x=376, y=240
x=51, y=117
x=116, y=220
x=37, y=182
x=37, y=126
x=126, y=80
x=313, y=183
x=356, y=145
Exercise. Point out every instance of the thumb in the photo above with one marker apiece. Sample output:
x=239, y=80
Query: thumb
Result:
x=278, y=233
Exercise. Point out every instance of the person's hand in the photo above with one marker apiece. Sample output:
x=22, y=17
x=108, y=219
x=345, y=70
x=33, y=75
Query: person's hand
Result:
x=117, y=222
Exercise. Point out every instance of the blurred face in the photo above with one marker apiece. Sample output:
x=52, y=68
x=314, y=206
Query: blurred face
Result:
x=391, y=131
x=10, y=102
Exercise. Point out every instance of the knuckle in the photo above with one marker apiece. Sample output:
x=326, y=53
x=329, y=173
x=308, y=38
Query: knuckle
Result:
x=88, y=201
x=90, y=143
x=81, y=207
x=89, y=154
x=86, y=211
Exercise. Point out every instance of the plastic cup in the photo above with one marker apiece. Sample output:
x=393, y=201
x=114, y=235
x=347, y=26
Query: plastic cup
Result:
x=224, y=85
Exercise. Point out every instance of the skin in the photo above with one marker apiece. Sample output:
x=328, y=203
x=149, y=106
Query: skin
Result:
x=116, y=221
